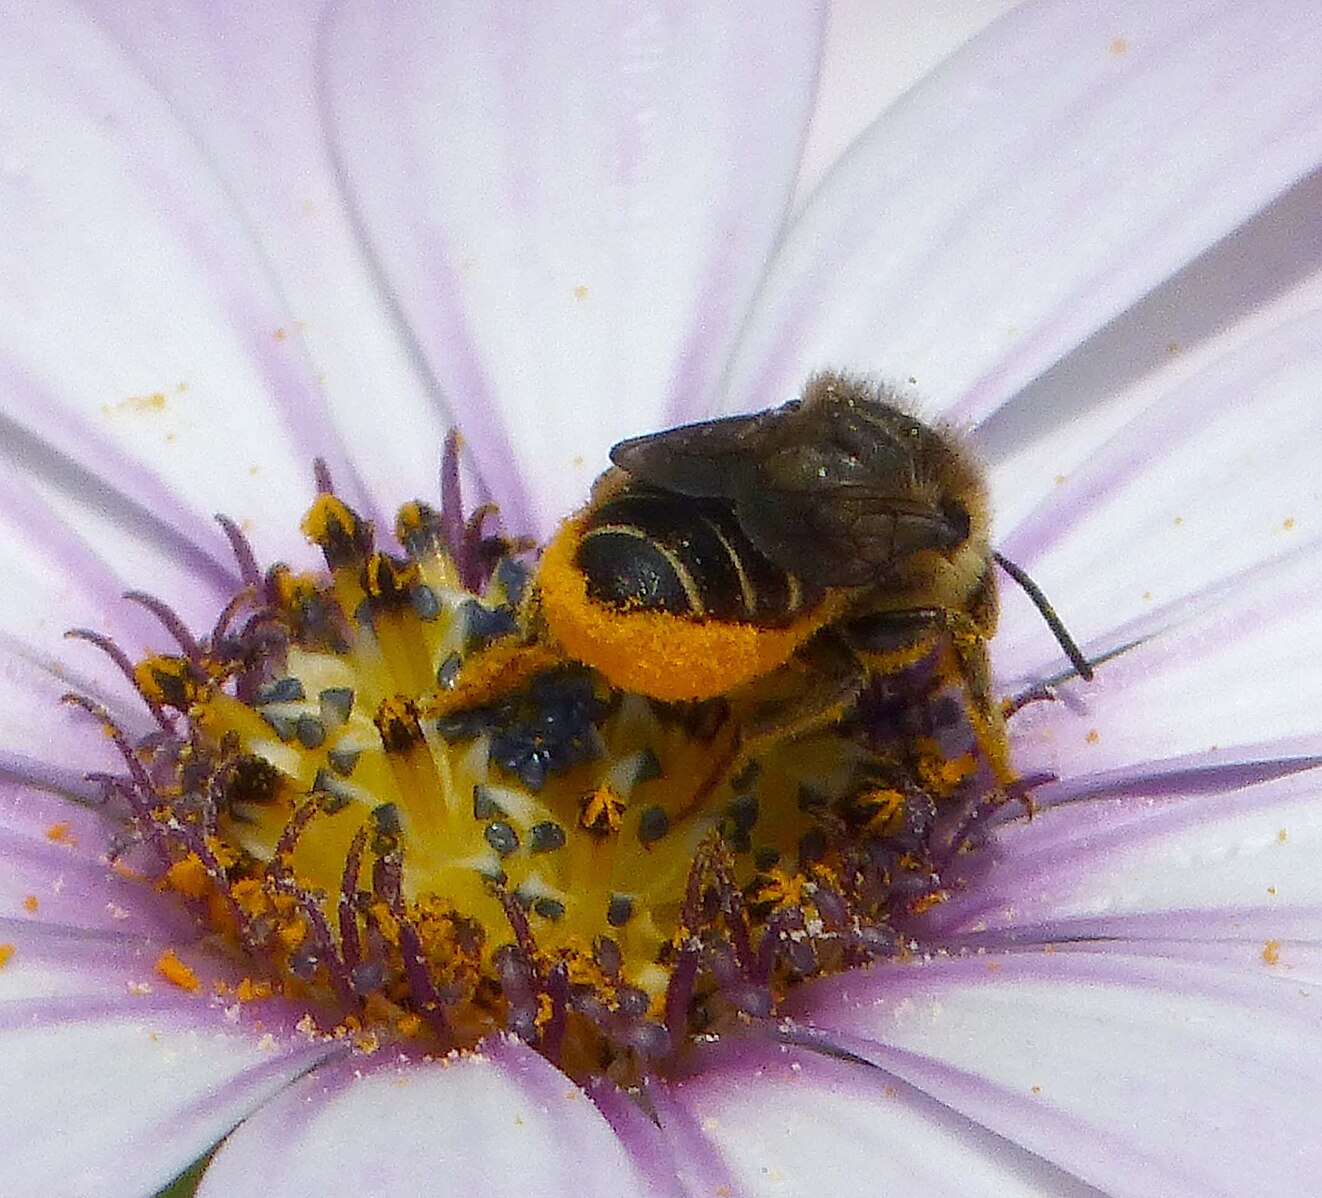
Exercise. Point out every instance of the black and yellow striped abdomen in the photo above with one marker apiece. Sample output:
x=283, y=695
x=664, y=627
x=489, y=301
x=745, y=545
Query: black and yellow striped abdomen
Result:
x=652, y=550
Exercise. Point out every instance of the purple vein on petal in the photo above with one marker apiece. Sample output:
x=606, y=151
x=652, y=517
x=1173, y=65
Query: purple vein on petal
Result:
x=37, y=771
x=1111, y=857
x=98, y=954
x=1164, y=933
x=1204, y=773
x=480, y=411
x=1003, y=1111
x=291, y=386
x=1139, y=128
x=797, y=1064
x=695, y=1156
x=653, y=1152
x=81, y=892
x=55, y=1010
x=137, y=499
x=978, y=1030
x=238, y=1096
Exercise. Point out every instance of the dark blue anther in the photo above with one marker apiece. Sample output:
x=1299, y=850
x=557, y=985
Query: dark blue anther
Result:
x=501, y=837
x=282, y=690
x=336, y=704
x=547, y=837
x=653, y=823
x=512, y=576
x=482, y=624
x=548, y=908
x=425, y=602
x=485, y=805
x=311, y=732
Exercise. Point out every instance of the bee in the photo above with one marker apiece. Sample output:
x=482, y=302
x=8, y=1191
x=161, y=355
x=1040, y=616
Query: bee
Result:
x=836, y=534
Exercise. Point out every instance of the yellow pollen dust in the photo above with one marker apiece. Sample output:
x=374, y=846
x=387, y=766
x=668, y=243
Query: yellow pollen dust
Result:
x=403, y=795
x=174, y=971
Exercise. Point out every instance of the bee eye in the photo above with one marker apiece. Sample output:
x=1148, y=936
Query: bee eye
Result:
x=957, y=521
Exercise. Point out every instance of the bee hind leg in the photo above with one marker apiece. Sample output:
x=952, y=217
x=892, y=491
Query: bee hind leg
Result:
x=890, y=641
x=836, y=681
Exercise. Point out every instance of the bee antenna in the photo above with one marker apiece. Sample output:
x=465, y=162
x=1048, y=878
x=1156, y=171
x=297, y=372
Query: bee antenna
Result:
x=1082, y=666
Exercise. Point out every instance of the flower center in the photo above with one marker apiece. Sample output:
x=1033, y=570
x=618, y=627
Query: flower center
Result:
x=389, y=790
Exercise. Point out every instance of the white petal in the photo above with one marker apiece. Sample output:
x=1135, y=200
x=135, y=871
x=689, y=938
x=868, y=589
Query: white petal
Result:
x=144, y=332
x=572, y=204
x=1152, y=859
x=787, y=1121
x=500, y=1123
x=1137, y=1073
x=115, y=1080
x=1266, y=277
x=873, y=54
x=1215, y=478
x=1046, y=177
x=1225, y=673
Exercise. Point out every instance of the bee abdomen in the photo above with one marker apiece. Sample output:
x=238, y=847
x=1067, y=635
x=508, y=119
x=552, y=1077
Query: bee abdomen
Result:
x=657, y=551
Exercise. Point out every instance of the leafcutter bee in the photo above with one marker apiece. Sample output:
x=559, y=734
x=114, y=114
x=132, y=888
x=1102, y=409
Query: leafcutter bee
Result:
x=836, y=534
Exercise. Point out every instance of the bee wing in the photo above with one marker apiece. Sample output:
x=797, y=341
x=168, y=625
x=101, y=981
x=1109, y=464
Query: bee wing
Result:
x=824, y=489
x=845, y=536
x=701, y=460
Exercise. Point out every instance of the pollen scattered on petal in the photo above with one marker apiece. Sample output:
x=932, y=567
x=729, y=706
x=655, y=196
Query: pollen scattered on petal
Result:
x=30, y=904
x=1271, y=952
x=6, y=952
x=174, y=971
x=61, y=833
x=249, y=990
x=188, y=876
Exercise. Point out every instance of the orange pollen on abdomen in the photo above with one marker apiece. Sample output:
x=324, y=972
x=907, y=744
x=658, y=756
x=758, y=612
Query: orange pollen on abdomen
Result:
x=655, y=653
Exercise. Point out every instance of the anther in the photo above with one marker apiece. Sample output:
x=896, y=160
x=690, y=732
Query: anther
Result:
x=397, y=722
x=546, y=837
x=169, y=621
x=653, y=824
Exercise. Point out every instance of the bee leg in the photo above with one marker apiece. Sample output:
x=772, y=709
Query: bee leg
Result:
x=505, y=666
x=970, y=648
x=841, y=680
x=892, y=640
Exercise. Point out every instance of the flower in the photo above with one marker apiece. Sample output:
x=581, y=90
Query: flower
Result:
x=236, y=240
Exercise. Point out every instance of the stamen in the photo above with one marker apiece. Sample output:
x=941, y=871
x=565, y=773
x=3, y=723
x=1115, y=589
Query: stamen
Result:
x=387, y=788
x=171, y=622
x=249, y=571
x=121, y=659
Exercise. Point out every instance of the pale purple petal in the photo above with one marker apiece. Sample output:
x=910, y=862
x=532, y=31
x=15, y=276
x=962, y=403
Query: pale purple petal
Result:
x=1216, y=478
x=787, y=1121
x=1049, y=174
x=499, y=1122
x=1147, y=862
x=56, y=873
x=116, y=1080
x=144, y=331
x=572, y=204
x=1138, y=1073
x=1225, y=672
x=45, y=741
